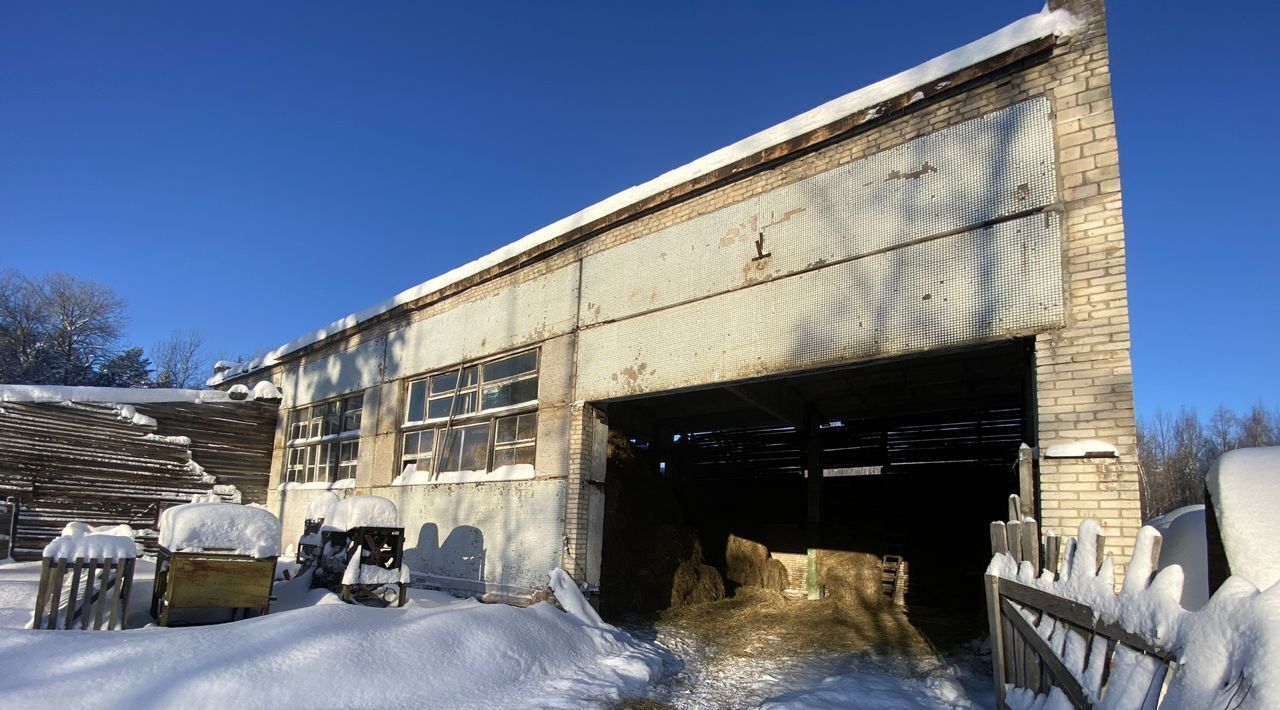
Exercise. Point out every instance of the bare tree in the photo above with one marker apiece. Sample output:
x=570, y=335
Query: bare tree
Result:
x=1259, y=428
x=1221, y=433
x=84, y=320
x=180, y=361
x=22, y=331
x=57, y=329
x=1173, y=455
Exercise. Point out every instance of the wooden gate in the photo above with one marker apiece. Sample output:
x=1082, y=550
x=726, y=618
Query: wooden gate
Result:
x=1041, y=641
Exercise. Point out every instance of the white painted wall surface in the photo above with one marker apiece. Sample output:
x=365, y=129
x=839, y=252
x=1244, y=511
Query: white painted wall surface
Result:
x=523, y=314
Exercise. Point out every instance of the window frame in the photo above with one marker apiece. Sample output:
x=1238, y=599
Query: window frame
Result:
x=330, y=445
x=444, y=428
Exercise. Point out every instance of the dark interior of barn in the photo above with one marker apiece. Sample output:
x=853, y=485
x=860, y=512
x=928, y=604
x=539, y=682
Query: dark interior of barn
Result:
x=914, y=455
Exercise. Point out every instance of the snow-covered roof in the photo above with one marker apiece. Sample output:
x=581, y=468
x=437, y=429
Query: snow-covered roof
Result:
x=1245, y=487
x=1043, y=24
x=119, y=395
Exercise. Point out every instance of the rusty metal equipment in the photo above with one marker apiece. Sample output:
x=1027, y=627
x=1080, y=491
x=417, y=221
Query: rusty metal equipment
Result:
x=377, y=581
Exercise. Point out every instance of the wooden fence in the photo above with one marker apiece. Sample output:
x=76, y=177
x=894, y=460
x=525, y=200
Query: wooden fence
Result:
x=79, y=593
x=1041, y=641
x=8, y=518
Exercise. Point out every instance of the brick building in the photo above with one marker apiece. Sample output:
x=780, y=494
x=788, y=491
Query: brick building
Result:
x=834, y=334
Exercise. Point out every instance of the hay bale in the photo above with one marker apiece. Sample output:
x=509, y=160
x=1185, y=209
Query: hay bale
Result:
x=749, y=564
x=695, y=583
x=775, y=575
x=851, y=577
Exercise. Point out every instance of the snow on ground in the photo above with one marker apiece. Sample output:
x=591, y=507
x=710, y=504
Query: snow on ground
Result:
x=437, y=651
x=1186, y=545
x=702, y=678
x=314, y=651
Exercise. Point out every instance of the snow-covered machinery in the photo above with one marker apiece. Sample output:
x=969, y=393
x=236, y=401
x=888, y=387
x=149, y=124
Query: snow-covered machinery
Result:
x=361, y=552
x=215, y=556
x=311, y=543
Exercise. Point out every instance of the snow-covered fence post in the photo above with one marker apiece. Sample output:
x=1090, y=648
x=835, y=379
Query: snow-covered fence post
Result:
x=101, y=581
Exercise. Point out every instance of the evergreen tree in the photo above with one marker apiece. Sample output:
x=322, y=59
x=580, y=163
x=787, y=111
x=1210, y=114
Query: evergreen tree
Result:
x=125, y=369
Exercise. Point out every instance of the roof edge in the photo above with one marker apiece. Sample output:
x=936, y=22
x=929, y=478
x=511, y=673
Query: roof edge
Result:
x=1007, y=45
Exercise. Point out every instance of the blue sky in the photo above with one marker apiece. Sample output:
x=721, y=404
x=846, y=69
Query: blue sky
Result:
x=255, y=170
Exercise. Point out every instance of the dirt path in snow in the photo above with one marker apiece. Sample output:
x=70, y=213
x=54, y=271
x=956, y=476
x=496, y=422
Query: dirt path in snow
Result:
x=761, y=649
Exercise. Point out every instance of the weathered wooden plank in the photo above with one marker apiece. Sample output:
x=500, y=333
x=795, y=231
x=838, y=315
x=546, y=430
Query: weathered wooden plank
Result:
x=1066, y=681
x=42, y=590
x=82, y=461
x=999, y=541
x=126, y=592
x=208, y=581
x=1013, y=531
x=87, y=604
x=1078, y=615
x=104, y=593
x=56, y=585
x=1030, y=544
x=995, y=625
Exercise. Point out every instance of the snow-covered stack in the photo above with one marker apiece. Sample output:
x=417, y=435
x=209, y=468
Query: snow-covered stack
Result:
x=362, y=512
x=220, y=527
x=79, y=541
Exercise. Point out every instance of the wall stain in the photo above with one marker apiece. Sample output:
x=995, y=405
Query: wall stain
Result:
x=913, y=174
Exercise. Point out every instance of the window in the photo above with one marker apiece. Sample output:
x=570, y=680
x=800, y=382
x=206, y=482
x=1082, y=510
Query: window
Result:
x=472, y=418
x=514, y=439
x=324, y=440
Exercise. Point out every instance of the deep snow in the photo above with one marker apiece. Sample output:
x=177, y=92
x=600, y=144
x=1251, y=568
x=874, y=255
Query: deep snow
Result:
x=440, y=652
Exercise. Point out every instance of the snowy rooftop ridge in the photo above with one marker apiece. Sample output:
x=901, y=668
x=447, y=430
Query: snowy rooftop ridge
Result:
x=116, y=395
x=1032, y=27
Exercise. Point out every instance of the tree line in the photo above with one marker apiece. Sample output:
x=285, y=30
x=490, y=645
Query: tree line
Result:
x=1175, y=451
x=59, y=329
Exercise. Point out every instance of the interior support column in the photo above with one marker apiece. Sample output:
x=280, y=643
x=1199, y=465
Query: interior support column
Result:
x=813, y=489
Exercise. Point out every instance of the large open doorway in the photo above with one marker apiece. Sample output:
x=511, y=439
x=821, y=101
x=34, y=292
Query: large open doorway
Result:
x=916, y=455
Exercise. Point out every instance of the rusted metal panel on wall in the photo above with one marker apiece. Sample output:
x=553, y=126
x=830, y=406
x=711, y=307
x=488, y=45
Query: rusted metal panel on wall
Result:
x=986, y=283
x=984, y=169
x=526, y=312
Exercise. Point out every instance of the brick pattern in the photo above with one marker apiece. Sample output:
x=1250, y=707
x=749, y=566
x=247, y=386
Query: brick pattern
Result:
x=577, y=504
x=797, y=564
x=1084, y=380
